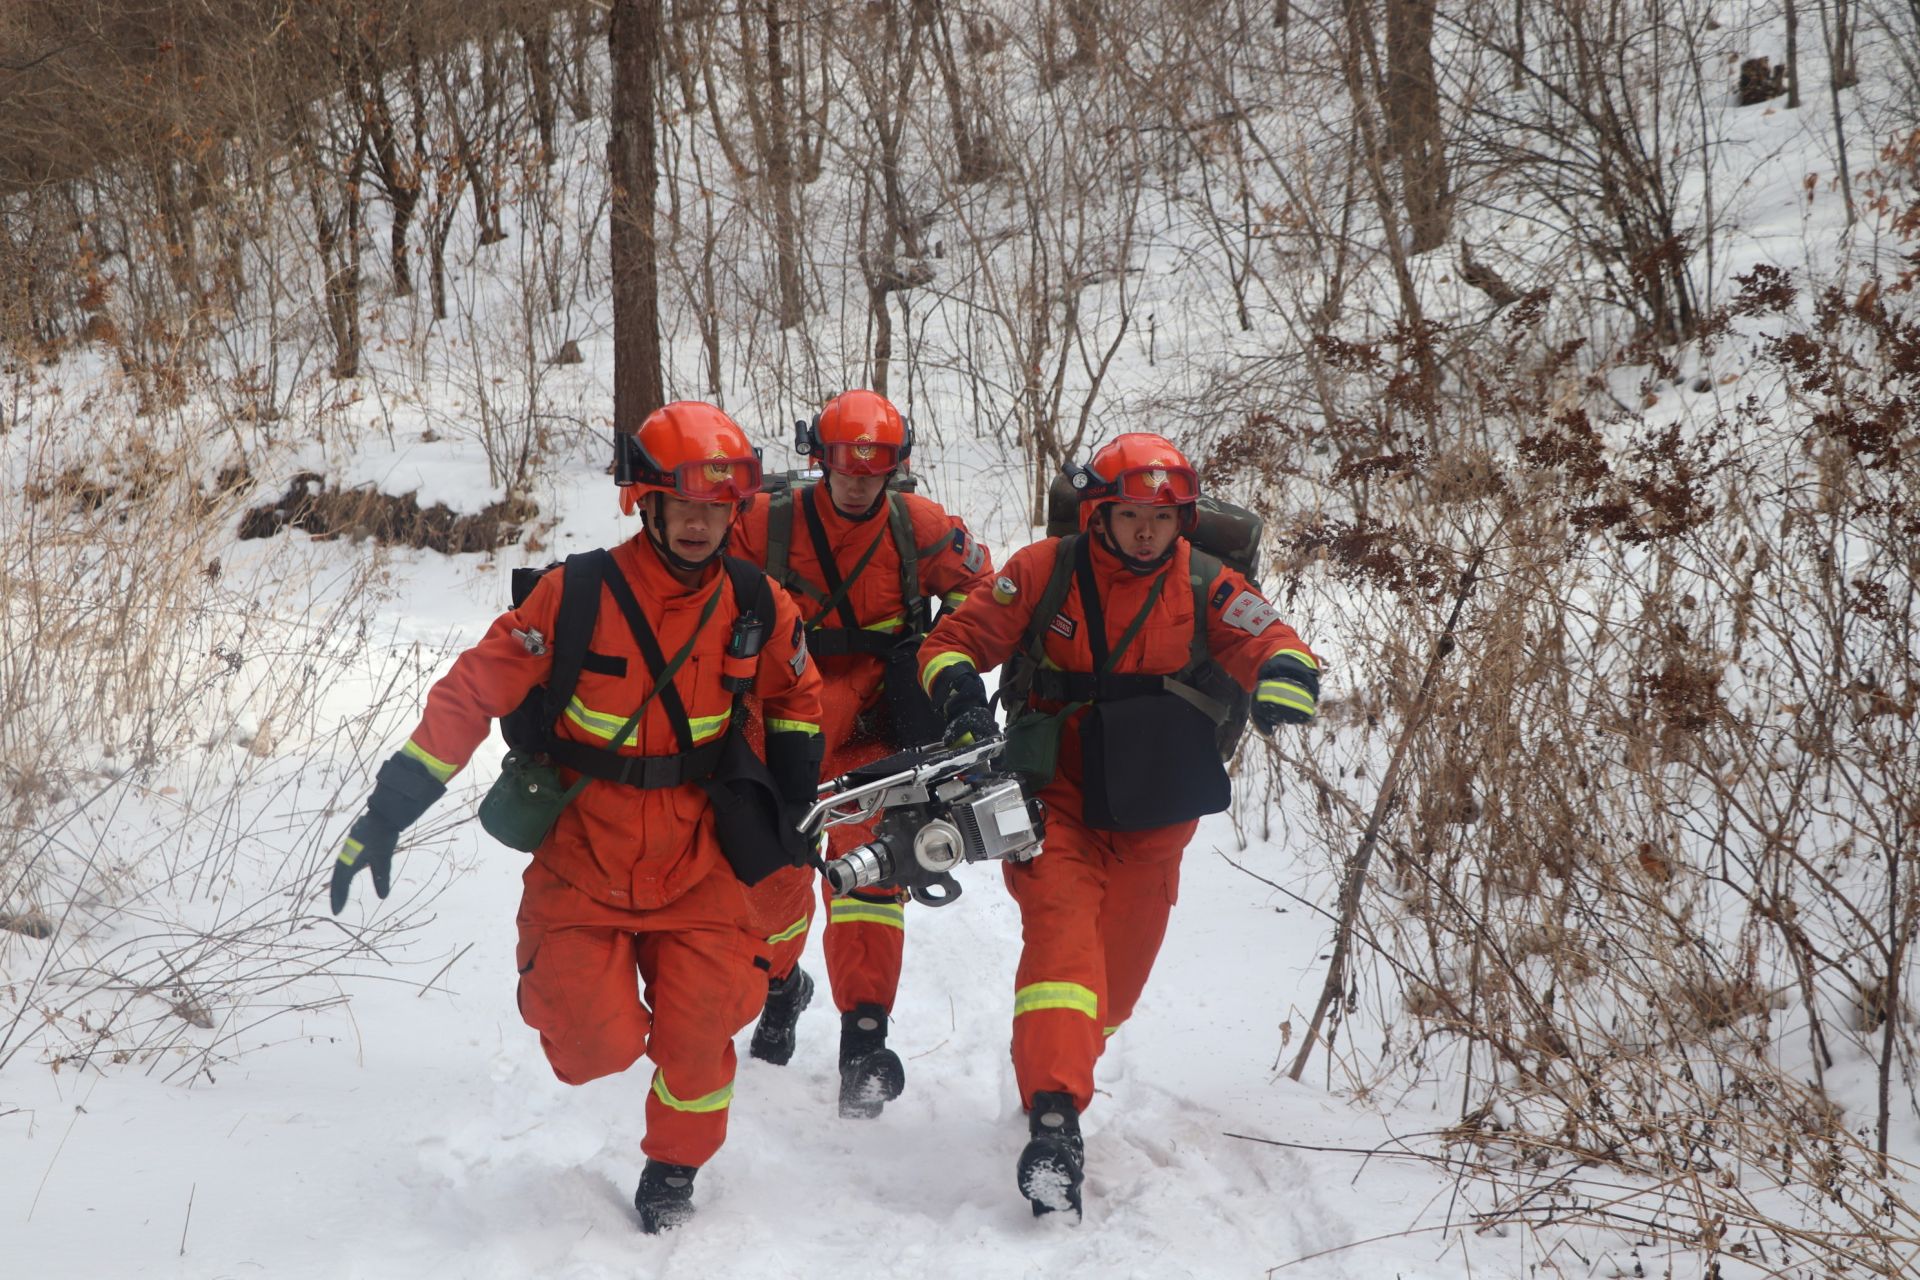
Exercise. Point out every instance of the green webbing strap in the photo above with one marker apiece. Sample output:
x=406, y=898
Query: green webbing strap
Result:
x=915, y=603
x=1202, y=569
x=823, y=552
x=1019, y=682
x=780, y=543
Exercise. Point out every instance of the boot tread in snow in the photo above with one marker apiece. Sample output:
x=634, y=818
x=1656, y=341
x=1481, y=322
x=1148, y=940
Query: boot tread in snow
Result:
x=871, y=1075
x=665, y=1198
x=775, y=1033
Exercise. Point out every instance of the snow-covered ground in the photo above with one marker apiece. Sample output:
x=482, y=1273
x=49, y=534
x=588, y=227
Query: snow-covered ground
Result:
x=414, y=1129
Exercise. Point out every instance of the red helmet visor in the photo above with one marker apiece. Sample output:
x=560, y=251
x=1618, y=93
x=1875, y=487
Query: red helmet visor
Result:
x=1157, y=486
x=862, y=457
x=717, y=480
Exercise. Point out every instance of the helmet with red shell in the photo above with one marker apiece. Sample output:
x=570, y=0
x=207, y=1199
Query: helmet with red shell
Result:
x=690, y=450
x=858, y=433
x=1140, y=468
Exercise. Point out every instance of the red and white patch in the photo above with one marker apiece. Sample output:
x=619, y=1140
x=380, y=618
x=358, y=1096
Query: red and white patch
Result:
x=1063, y=626
x=1250, y=613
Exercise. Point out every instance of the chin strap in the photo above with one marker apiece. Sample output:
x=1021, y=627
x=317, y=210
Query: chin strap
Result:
x=655, y=515
x=860, y=517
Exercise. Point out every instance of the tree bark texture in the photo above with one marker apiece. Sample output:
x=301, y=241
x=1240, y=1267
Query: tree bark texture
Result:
x=633, y=40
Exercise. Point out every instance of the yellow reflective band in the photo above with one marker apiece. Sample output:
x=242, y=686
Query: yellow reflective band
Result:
x=1056, y=995
x=860, y=911
x=789, y=933
x=775, y=725
x=350, y=852
x=1298, y=655
x=885, y=624
x=1286, y=694
x=954, y=599
x=939, y=663
x=1108, y=1031
x=604, y=726
x=715, y=1101
x=439, y=768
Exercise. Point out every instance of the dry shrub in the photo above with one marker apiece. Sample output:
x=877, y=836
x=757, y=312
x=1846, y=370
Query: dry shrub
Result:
x=1675, y=697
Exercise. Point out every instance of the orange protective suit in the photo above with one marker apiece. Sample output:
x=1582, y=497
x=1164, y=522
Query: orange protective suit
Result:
x=632, y=881
x=866, y=932
x=1094, y=904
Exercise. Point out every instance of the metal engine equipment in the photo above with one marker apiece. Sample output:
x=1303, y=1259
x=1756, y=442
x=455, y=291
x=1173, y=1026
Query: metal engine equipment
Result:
x=936, y=808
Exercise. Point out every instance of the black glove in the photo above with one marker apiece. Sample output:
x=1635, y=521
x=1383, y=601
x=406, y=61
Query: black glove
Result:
x=402, y=791
x=1288, y=692
x=793, y=758
x=961, y=698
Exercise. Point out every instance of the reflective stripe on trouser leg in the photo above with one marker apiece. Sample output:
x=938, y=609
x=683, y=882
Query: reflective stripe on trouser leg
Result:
x=1059, y=986
x=704, y=987
x=865, y=944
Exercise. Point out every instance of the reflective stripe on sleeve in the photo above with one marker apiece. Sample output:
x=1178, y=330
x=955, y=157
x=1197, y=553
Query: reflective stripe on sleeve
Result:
x=861, y=911
x=1300, y=656
x=439, y=768
x=715, y=1101
x=1056, y=995
x=776, y=725
x=940, y=662
x=1285, y=693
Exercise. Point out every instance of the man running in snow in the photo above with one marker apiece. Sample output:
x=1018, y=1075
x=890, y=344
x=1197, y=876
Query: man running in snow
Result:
x=1105, y=624
x=864, y=562
x=633, y=927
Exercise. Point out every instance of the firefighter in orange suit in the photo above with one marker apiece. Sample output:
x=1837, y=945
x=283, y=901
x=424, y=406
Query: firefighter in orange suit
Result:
x=633, y=934
x=863, y=562
x=1094, y=904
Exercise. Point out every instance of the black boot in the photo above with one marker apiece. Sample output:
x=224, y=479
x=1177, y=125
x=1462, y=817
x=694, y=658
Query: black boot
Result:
x=773, y=1034
x=1054, y=1162
x=665, y=1197
x=870, y=1073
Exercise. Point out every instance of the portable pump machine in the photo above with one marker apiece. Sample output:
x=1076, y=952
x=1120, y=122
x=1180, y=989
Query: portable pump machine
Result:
x=937, y=808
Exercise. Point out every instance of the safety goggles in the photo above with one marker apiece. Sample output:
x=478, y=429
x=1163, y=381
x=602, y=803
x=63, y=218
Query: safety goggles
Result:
x=861, y=457
x=717, y=480
x=1157, y=485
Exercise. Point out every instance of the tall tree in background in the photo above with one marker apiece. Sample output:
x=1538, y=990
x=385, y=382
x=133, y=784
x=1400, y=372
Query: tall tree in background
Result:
x=633, y=38
x=1412, y=102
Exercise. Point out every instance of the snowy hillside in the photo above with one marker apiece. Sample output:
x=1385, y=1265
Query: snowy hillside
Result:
x=1614, y=1007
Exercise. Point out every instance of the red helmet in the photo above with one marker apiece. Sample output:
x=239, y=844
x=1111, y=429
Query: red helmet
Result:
x=691, y=450
x=1138, y=467
x=859, y=433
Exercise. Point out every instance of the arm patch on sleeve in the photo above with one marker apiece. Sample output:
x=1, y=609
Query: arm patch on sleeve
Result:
x=1220, y=595
x=972, y=554
x=799, y=659
x=1250, y=613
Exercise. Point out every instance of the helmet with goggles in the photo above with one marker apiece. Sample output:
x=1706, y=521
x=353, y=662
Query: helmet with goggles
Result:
x=688, y=450
x=858, y=433
x=1138, y=468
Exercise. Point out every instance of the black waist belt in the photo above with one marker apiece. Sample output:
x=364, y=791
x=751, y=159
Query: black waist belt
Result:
x=1084, y=686
x=834, y=642
x=648, y=773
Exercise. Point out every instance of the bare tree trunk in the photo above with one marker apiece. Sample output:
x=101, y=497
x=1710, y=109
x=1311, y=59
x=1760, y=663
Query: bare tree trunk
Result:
x=1413, y=121
x=633, y=40
x=1793, y=55
x=536, y=42
x=780, y=174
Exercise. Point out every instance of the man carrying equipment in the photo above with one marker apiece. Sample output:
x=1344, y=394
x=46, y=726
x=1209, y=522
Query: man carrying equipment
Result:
x=862, y=561
x=633, y=927
x=1111, y=633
